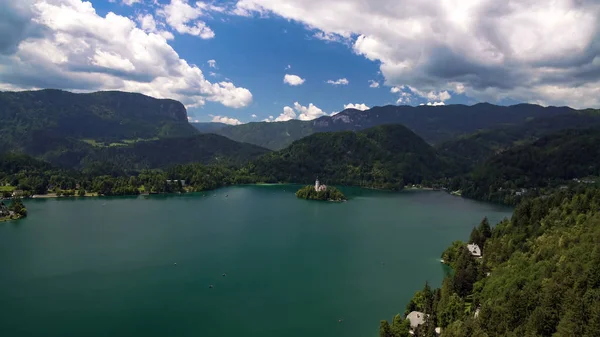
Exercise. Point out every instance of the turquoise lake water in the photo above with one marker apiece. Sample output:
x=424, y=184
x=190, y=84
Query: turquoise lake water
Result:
x=106, y=266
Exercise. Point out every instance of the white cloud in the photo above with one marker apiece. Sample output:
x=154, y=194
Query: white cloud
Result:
x=288, y=67
x=288, y=113
x=519, y=50
x=69, y=46
x=435, y=103
x=131, y=2
x=254, y=116
x=184, y=18
x=329, y=37
x=149, y=25
x=212, y=63
x=361, y=106
x=308, y=113
x=293, y=80
x=127, y=2
x=303, y=113
x=341, y=81
x=226, y=120
x=395, y=90
x=373, y=84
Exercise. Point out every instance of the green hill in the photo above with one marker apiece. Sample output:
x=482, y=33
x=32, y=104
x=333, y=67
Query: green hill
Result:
x=539, y=276
x=478, y=147
x=434, y=124
x=167, y=152
x=33, y=120
x=125, y=130
x=548, y=162
x=384, y=157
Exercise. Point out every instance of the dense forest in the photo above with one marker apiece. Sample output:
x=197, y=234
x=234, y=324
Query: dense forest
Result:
x=434, y=124
x=539, y=275
x=383, y=157
x=552, y=161
x=475, y=148
x=387, y=157
x=29, y=176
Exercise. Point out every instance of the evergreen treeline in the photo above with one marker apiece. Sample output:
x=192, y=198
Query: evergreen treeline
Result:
x=539, y=275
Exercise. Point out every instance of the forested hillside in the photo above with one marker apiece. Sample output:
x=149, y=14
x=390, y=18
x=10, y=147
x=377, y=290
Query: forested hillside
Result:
x=539, y=276
x=32, y=121
x=434, y=124
x=548, y=162
x=385, y=157
x=475, y=148
x=167, y=152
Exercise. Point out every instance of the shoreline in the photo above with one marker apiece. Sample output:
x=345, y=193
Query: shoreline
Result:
x=54, y=195
x=7, y=219
x=89, y=194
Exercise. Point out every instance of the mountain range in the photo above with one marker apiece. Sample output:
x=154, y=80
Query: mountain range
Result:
x=435, y=124
x=382, y=147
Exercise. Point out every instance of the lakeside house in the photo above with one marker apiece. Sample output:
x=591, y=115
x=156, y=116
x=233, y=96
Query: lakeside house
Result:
x=18, y=193
x=416, y=318
x=319, y=187
x=474, y=249
x=176, y=181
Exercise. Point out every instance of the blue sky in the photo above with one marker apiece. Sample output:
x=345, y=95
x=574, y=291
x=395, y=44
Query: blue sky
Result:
x=255, y=53
x=426, y=52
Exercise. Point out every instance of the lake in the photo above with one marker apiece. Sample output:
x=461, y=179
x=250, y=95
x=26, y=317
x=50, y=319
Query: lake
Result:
x=142, y=267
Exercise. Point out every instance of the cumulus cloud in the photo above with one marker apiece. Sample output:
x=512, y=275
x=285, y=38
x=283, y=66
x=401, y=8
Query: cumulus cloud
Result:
x=293, y=80
x=361, y=106
x=226, y=120
x=184, y=18
x=254, y=116
x=298, y=111
x=526, y=50
x=64, y=45
x=341, y=81
x=212, y=63
x=288, y=67
x=127, y=2
x=373, y=84
x=131, y=2
x=149, y=25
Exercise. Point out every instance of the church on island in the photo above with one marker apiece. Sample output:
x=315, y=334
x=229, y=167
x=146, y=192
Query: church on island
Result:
x=319, y=187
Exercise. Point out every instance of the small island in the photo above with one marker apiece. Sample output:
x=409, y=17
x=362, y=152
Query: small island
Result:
x=14, y=211
x=320, y=192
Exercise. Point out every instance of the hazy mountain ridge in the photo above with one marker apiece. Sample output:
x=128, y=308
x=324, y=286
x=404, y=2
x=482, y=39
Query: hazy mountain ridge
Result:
x=432, y=123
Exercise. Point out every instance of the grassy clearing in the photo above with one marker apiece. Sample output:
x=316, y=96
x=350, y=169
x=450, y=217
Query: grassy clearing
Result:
x=123, y=142
x=7, y=188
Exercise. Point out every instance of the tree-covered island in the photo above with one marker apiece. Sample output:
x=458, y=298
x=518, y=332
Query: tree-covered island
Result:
x=14, y=211
x=320, y=192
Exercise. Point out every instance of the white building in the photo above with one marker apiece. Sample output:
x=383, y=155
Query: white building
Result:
x=474, y=249
x=416, y=318
x=319, y=187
